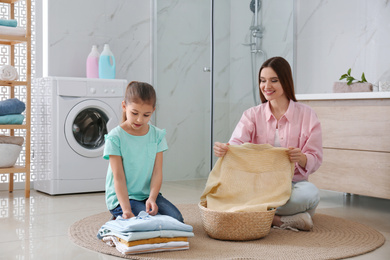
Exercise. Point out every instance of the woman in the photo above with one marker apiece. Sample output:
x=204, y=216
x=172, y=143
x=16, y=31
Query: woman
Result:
x=283, y=122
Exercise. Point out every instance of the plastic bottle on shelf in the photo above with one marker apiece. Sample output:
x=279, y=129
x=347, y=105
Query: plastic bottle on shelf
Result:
x=106, y=64
x=93, y=63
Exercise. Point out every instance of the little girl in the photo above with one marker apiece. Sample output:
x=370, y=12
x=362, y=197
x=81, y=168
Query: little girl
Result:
x=135, y=152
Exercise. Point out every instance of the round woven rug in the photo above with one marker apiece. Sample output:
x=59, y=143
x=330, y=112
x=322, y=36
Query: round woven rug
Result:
x=331, y=238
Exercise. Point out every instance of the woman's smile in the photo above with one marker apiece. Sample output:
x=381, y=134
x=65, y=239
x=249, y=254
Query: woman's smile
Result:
x=269, y=92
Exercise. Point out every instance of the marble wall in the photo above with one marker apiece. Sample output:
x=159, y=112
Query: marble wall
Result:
x=74, y=26
x=167, y=42
x=333, y=36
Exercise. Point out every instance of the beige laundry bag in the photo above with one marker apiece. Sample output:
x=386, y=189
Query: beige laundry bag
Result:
x=244, y=189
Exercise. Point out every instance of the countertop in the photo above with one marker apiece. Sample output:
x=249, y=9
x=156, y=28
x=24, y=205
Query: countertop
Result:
x=341, y=96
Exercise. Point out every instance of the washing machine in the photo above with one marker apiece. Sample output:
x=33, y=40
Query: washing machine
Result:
x=70, y=117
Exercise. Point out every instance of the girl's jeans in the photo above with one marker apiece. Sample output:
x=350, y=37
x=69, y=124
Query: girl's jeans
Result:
x=304, y=198
x=164, y=208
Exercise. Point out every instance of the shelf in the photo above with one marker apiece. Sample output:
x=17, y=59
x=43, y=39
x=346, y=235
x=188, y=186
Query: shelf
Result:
x=13, y=126
x=13, y=83
x=12, y=39
x=14, y=169
x=9, y=1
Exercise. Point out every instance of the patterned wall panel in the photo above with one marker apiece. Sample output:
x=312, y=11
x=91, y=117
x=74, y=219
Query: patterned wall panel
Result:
x=20, y=65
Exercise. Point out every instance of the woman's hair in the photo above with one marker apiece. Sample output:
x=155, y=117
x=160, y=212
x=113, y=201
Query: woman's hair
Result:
x=139, y=92
x=283, y=70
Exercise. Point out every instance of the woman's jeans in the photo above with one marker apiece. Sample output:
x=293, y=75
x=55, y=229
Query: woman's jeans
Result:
x=304, y=198
x=164, y=208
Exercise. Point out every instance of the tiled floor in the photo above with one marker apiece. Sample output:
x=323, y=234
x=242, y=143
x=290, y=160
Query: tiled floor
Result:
x=37, y=228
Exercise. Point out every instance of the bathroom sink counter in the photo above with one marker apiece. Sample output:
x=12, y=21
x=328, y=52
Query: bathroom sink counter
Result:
x=342, y=96
x=356, y=142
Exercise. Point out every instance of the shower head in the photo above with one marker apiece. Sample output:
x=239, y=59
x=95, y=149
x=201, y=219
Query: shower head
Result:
x=252, y=5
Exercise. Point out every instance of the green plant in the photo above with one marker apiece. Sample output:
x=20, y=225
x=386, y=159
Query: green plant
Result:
x=350, y=79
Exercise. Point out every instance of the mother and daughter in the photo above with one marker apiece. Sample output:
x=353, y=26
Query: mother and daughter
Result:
x=135, y=148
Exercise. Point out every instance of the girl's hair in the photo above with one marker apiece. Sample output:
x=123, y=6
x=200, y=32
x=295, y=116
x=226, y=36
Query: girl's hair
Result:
x=139, y=92
x=283, y=70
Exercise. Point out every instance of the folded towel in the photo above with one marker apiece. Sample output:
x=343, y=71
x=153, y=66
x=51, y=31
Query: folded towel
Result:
x=11, y=106
x=16, y=119
x=250, y=177
x=8, y=72
x=18, y=140
x=14, y=31
x=9, y=23
x=146, y=222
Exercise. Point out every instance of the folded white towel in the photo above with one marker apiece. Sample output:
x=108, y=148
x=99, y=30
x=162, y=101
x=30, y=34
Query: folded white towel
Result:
x=8, y=72
x=15, y=31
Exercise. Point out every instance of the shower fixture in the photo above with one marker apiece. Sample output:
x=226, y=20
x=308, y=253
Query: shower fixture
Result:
x=253, y=5
x=256, y=34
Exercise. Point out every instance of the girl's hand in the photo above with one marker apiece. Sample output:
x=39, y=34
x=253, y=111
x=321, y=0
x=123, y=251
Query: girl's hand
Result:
x=151, y=207
x=220, y=149
x=127, y=215
x=296, y=156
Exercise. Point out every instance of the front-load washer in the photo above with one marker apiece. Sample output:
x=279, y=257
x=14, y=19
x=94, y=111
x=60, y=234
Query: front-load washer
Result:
x=70, y=117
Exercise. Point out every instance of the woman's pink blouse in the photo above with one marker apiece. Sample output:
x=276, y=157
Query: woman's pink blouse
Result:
x=299, y=127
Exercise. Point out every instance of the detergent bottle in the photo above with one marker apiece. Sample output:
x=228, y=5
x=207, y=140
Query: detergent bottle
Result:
x=93, y=63
x=106, y=64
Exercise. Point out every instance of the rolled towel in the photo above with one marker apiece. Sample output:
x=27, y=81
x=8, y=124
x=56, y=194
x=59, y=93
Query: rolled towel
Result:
x=8, y=72
x=11, y=106
x=18, y=140
x=9, y=23
x=12, y=119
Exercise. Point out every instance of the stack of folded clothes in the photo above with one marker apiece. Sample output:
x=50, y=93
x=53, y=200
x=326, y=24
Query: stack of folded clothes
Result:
x=10, y=27
x=11, y=111
x=146, y=234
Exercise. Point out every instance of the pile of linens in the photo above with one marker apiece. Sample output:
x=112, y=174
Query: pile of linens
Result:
x=10, y=27
x=11, y=111
x=10, y=147
x=146, y=234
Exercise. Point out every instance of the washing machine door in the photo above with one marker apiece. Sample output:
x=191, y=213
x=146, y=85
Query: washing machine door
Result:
x=85, y=127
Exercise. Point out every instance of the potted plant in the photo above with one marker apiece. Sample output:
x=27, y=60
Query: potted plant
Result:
x=352, y=84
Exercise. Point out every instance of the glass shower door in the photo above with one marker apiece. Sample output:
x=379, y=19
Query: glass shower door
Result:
x=181, y=52
x=246, y=33
x=243, y=36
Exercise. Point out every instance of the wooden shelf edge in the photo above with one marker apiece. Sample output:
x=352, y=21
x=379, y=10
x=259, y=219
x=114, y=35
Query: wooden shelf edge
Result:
x=12, y=83
x=14, y=126
x=12, y=39
x=14, y=169
x=9, y=1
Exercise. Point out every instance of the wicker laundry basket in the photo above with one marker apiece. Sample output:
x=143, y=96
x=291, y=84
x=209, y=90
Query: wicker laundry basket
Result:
x=235, y=225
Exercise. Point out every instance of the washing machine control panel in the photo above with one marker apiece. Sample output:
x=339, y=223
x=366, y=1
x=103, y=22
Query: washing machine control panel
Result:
x=104, y=89
x=92, y=88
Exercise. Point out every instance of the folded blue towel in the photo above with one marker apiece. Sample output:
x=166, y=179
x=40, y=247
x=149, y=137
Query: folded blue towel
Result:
x=11, y=106
x=16, y=119
x=9, y=23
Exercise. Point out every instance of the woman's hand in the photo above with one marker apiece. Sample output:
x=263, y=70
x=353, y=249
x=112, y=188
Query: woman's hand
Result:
x=296, y=156
x=151, y=207
x=220, y=149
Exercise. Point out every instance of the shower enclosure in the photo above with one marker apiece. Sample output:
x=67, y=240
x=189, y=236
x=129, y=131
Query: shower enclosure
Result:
x=206, y=56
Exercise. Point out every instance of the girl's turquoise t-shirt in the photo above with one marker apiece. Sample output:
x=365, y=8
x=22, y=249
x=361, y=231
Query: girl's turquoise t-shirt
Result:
x=138, y=155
